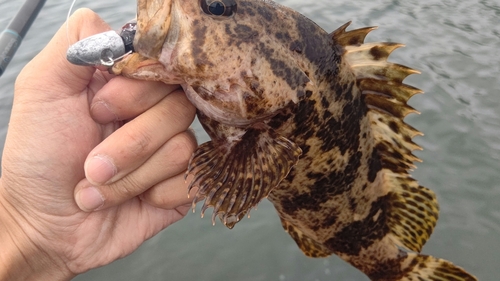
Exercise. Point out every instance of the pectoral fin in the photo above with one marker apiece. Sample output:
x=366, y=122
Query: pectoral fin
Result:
x=234, y=174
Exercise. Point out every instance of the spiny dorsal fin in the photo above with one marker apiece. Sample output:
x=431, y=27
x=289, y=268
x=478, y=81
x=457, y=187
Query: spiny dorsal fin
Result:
x=234, y=176
x=413, y=209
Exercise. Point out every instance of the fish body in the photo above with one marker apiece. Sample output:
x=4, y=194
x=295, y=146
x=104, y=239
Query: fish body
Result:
x=311, y=120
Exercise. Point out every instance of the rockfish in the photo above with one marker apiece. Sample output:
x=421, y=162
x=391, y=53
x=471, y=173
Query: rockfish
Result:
x=311, y=120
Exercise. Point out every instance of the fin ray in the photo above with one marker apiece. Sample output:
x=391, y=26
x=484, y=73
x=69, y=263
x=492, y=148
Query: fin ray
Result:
x=400, y=92
x=352, y=37
x=377, y=51
x=382, y=70
x=233, y=176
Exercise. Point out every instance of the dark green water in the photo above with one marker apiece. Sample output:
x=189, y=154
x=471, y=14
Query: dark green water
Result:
x=456, y=45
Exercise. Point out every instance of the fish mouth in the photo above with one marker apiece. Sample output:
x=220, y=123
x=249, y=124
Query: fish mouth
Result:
x=154, y=25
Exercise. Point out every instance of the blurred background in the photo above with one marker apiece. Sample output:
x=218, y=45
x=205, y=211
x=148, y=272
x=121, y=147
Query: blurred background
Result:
x=456, y=46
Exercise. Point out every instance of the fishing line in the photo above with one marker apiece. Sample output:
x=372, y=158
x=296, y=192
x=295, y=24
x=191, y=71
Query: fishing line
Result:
x=67, y=27
x=67, y=20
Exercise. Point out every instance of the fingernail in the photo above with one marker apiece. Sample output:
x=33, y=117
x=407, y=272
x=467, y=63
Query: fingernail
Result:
x=99, y=169
x=100, y=110
x=89, y=199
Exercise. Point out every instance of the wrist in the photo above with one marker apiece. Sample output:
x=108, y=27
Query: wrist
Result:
x=20, y=257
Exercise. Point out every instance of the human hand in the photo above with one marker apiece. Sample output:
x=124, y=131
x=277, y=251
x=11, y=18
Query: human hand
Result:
x=66, y=151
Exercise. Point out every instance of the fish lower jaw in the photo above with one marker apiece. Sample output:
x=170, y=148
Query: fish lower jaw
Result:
x=214, y=112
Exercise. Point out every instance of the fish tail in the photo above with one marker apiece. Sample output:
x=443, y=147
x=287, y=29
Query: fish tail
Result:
x=422, y=268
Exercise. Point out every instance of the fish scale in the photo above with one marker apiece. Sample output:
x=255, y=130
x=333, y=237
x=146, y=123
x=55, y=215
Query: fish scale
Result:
x=311, y=120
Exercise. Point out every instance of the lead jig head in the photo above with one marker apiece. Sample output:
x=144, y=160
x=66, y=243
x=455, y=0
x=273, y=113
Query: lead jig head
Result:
x=104, y=48
x=100, y=49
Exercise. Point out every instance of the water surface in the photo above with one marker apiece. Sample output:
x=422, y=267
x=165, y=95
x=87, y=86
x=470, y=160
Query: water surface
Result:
x=456, y=46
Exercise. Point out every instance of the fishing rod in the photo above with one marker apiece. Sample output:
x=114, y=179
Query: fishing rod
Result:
x=11, y=37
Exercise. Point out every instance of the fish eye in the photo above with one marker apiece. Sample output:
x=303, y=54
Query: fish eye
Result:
x=218, y=8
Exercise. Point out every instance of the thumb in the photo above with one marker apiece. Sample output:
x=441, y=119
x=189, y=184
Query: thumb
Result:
x=61, y=74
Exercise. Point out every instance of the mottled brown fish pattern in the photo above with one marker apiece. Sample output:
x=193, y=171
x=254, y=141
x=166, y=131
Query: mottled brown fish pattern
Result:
x=311, y=120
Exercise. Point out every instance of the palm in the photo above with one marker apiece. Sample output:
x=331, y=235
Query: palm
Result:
x=118, y=231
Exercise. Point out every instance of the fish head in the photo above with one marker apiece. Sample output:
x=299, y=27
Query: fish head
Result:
x=232, y=62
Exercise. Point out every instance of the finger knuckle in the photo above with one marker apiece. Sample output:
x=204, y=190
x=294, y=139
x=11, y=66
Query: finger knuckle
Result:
x=139, y=143
x=126, y=188
x=181, y=147
x=156, y=199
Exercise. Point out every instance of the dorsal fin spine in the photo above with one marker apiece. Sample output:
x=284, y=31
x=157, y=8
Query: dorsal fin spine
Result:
x=353, y=37
x=401, y=92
